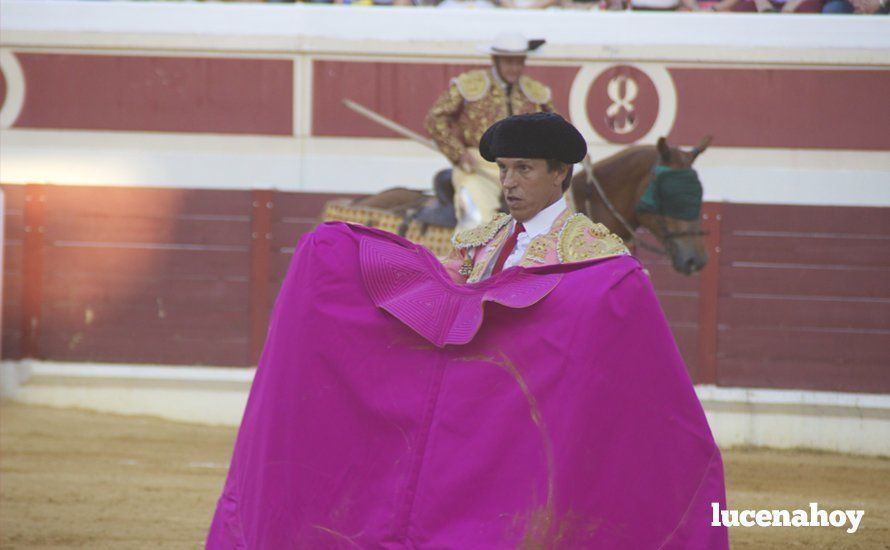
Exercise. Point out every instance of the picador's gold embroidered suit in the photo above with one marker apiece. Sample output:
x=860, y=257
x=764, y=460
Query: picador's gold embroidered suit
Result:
x=474, y=101
x=572, y=238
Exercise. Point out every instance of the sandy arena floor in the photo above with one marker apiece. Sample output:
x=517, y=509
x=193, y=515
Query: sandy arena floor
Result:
x=80, y=479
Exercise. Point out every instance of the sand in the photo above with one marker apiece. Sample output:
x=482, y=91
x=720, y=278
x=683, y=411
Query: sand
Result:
x=71, y=478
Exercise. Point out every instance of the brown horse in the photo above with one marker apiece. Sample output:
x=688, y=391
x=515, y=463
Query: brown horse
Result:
x=609, y=191
x=398, y=200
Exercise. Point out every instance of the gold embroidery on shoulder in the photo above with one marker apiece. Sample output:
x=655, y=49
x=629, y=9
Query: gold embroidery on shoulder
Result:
x=480, y=235
x=537, y=249
x=466, y=268
x=535, y=91
x=580, y=239
x=473, y=85
x=478, y=270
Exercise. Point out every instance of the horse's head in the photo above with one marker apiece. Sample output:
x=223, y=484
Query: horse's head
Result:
x=670, y=205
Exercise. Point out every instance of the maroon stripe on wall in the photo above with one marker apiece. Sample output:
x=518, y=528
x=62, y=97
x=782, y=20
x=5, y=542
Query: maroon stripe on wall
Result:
x=403, y=92
x=162, y=94
x=832, y=109
x=752, y=107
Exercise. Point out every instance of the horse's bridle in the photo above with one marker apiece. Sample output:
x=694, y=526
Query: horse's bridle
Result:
x=666, y=235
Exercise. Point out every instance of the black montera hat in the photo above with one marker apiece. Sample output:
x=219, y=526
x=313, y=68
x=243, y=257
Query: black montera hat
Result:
x=536, y=136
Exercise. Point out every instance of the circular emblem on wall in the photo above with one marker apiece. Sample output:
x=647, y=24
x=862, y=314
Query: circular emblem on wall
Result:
x=623, y=104
x=13, y=90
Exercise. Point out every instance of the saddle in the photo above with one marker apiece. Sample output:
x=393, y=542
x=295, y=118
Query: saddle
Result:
x=440, y=210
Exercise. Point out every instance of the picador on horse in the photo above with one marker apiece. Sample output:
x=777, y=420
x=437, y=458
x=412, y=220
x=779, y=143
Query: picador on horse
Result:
x=472, y=103
x=650, y=186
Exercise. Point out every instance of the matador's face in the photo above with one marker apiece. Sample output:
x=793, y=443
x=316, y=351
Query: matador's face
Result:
x=509, y=67
x=529, y=186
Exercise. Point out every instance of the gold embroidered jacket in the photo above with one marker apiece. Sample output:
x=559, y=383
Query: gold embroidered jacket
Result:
x=571, y=238
x=476, y=100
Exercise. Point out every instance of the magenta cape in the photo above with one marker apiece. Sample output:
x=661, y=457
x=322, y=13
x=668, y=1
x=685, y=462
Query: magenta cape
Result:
x=393, y=408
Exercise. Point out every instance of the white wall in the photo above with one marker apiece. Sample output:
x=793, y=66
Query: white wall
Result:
x=303, y=32
x=782, y=419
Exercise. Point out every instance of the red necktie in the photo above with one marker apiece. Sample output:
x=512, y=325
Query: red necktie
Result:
x=507, y=249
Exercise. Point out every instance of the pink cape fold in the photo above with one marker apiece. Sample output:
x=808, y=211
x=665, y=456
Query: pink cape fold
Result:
x=401, y=281
x=393, y=408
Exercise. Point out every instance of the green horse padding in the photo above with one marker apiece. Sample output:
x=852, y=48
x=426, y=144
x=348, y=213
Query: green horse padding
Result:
x=676, y=193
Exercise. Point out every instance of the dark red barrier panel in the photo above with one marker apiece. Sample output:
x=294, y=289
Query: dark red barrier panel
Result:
x=260, y=259
x=797, y=297
x=32, y=268
x=13, y=271
x=805, y=298
x=709, y=291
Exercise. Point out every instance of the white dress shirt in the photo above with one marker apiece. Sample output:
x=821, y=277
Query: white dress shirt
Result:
x=540, y=224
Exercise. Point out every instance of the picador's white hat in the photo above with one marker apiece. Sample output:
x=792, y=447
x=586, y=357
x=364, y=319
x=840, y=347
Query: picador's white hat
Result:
x=512, y=44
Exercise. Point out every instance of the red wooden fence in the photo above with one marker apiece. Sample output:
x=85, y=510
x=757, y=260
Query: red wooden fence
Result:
x=793, y=296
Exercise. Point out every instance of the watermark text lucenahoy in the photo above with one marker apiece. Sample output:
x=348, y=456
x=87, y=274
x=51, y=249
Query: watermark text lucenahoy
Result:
x=814, y=517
